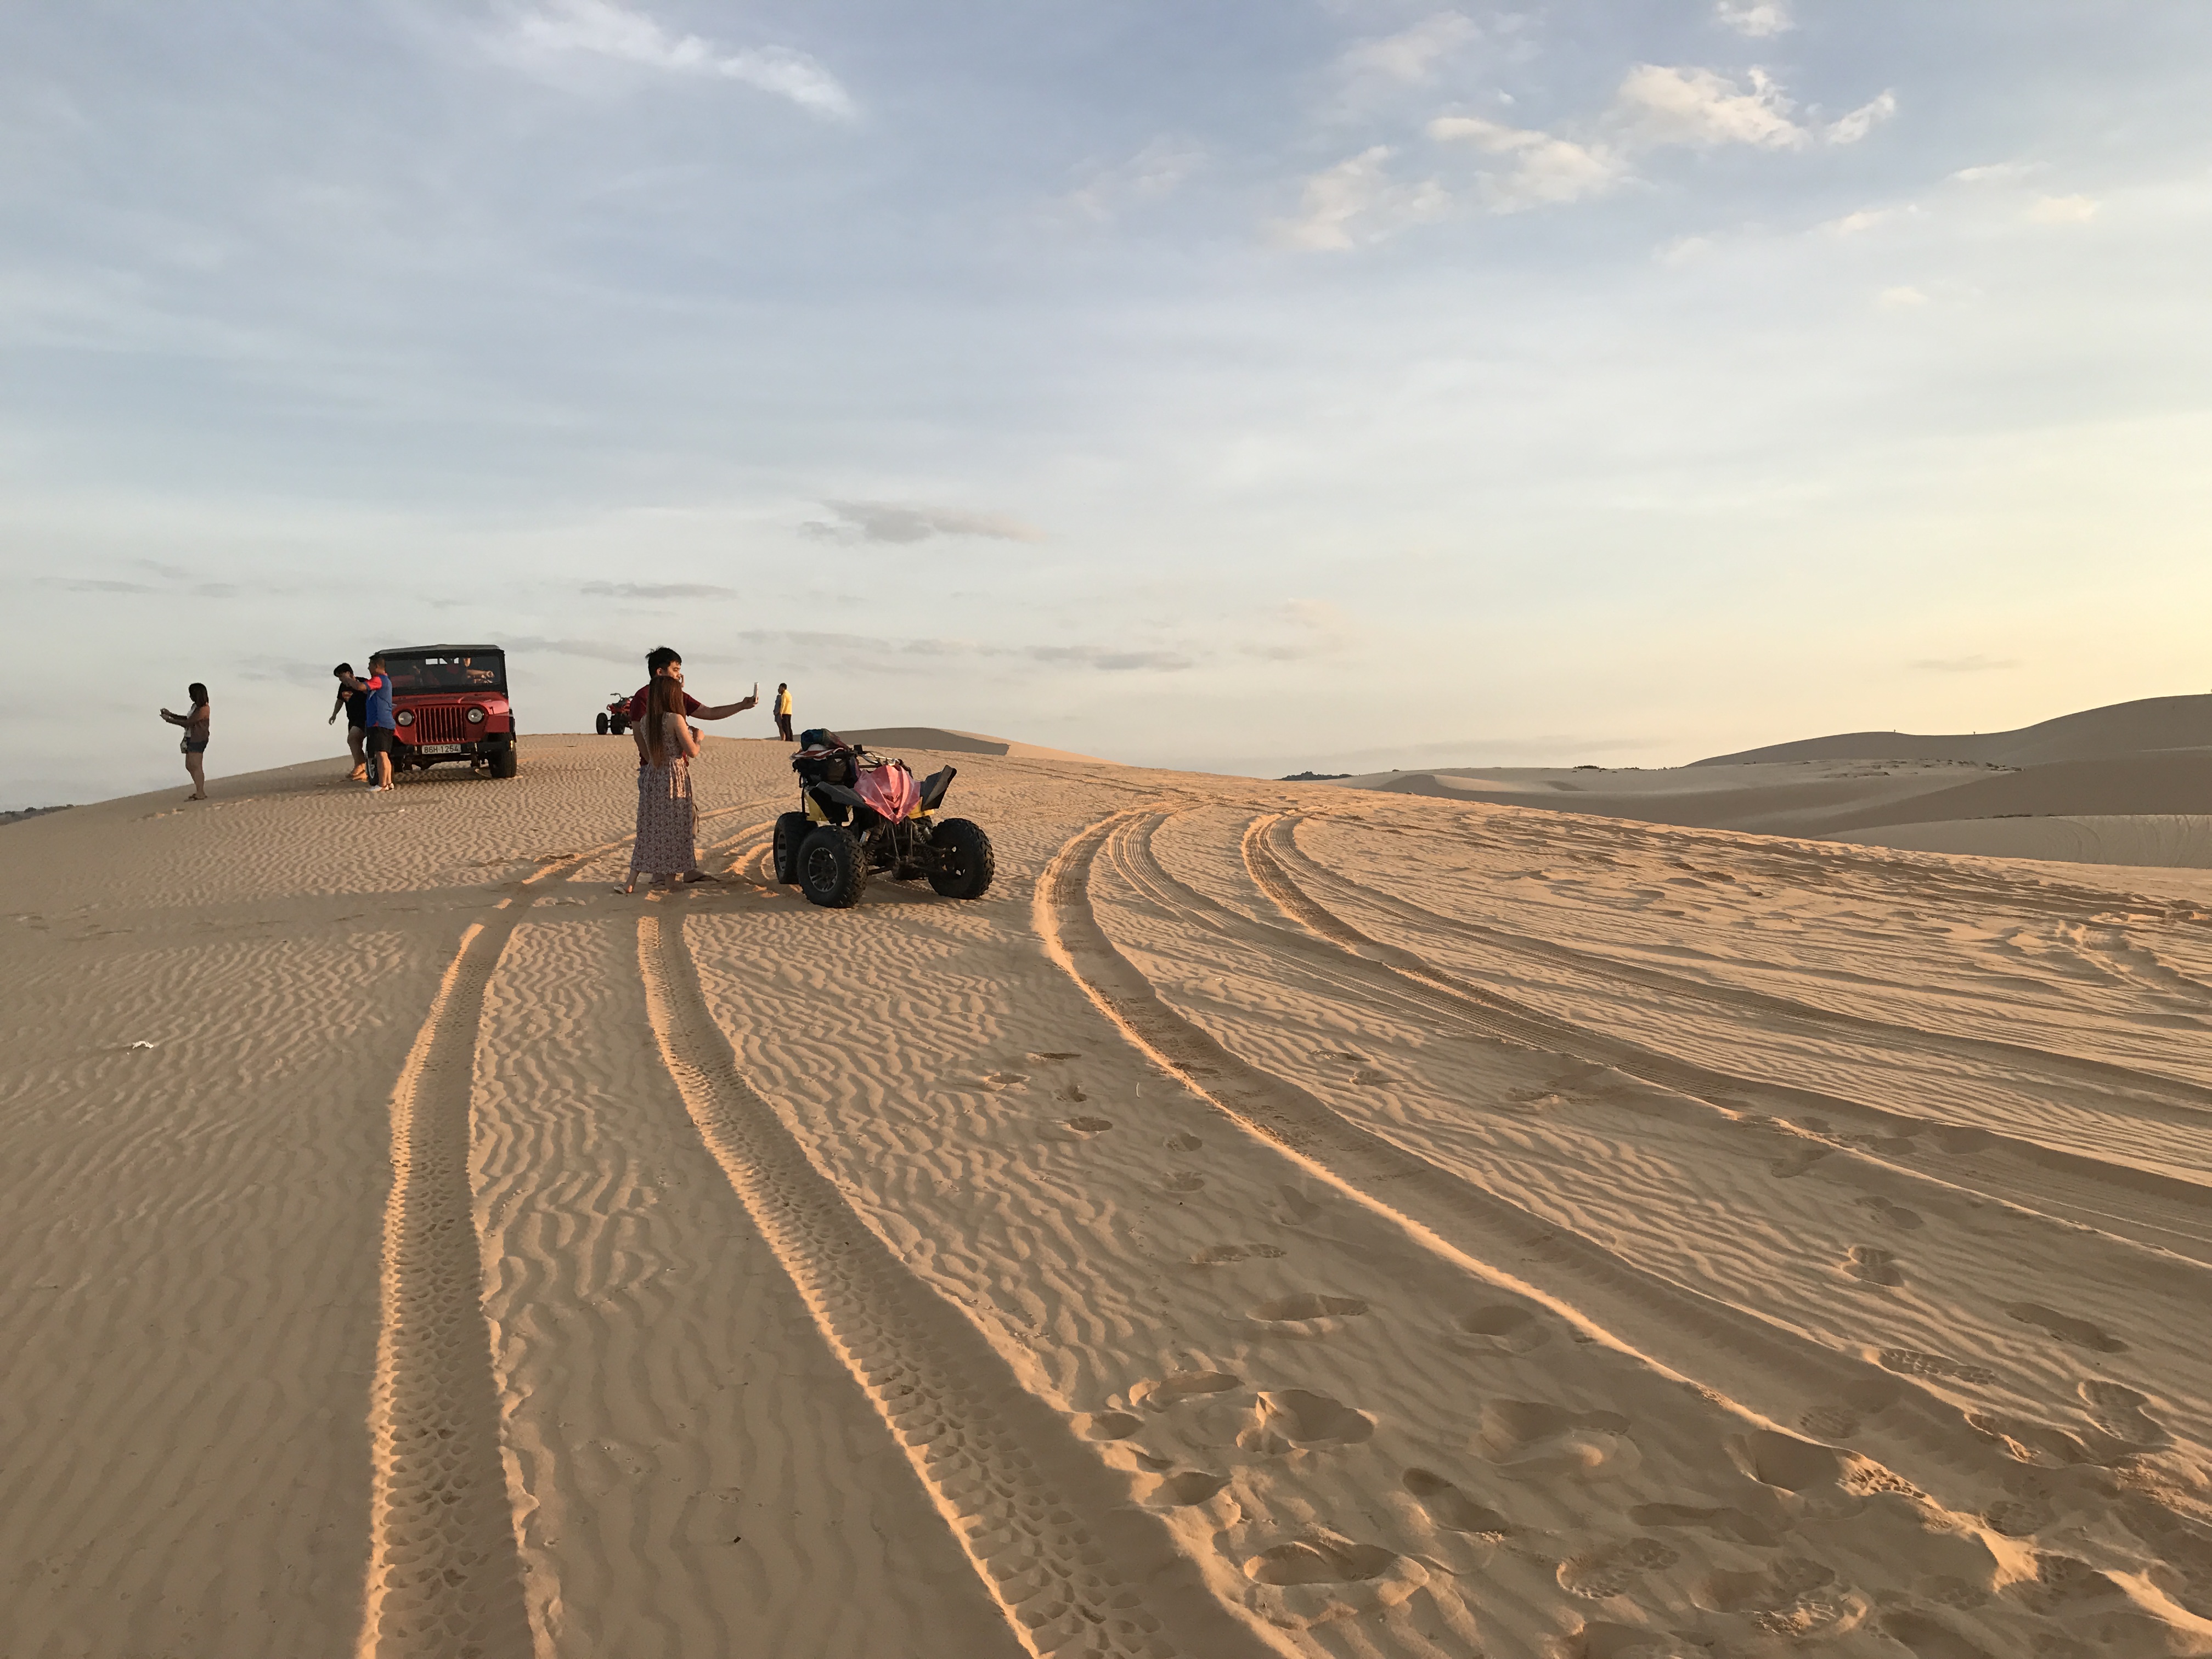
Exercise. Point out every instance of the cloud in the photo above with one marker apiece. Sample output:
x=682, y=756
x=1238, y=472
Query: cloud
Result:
x=1702, y=108
x=2063, y=210
x=1977, y=664
x=1412, y=56
x=1541, y=168
x=1990, y=172
x=656, y=591
x=1849, y=129
x=1154, y=173
x=570, y=30
x=597, y=650
x=1760, y=19
x=900, y=524
x=1312, y=628
x=1901, y=298
x=1356, y=201
x=179, y=582
x=1865, y=219
x=866, y=651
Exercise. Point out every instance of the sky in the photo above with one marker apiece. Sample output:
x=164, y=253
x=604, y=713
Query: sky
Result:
x=1258, y=386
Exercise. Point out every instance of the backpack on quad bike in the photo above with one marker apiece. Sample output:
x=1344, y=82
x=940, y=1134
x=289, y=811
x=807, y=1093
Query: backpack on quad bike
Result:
x=862, y=812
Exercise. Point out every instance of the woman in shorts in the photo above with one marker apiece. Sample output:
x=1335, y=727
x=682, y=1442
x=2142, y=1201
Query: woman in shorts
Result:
x=196, y=738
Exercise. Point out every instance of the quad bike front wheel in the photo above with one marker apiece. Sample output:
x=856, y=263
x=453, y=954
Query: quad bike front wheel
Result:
x=963, y=867
x=791, y=830
x=603, y=723
x=832, y=868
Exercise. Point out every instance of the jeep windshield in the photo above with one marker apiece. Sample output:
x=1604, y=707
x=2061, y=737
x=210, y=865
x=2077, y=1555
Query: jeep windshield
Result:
x=447, y=668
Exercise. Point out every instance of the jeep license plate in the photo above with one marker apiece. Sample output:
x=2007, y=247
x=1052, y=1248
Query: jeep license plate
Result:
x=438, y=748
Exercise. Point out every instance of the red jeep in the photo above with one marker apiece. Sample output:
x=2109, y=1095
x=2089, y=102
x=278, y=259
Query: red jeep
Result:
x=449, y=704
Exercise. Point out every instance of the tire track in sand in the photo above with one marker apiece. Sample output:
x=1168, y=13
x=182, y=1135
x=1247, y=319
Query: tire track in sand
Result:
x=2128, y=1203
x=444, y=1570
x=1050, y=1528
x=1772, y=1372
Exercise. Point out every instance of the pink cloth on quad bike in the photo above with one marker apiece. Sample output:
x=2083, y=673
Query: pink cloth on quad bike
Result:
x=889, y=789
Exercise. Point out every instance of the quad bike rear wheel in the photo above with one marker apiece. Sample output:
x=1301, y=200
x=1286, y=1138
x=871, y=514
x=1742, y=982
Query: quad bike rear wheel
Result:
x=791, y=829
x=964, y=865
x=833, y=867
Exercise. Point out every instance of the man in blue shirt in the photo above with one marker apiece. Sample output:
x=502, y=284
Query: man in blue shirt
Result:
x=380, y=727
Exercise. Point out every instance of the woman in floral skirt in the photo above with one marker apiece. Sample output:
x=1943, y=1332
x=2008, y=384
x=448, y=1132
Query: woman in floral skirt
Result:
x=664, y=848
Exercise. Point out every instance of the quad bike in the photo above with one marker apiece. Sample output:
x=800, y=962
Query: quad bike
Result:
x=862, y=812
x=615, y=717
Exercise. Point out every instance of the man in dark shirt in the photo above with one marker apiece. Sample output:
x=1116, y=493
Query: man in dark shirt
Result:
x=661, y=661
x=352, y=699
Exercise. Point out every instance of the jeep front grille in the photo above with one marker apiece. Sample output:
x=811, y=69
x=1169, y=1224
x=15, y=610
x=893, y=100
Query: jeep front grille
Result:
x=439, y=725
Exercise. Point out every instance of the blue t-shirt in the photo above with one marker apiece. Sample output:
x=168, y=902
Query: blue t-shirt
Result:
x=379, y=701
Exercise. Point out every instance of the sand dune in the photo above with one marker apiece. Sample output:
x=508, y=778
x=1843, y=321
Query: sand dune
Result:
x=2093, y=734
x=2151, y=760
x=1277, y=1219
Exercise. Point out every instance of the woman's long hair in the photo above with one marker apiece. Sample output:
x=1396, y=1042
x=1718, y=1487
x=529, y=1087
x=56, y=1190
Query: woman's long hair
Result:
x=667, y=699
x=196, y=692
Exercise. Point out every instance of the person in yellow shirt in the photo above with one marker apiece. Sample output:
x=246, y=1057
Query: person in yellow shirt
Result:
x=783, y=713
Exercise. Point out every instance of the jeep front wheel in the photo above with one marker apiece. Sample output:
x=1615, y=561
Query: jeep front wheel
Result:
x=962, y=867
x=833, y=870
x=504, y=761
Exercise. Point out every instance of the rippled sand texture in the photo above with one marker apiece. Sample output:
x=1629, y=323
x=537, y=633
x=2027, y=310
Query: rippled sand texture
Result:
x=1275, y=1220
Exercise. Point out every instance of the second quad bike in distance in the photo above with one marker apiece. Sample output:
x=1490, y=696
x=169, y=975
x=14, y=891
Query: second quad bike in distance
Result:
x=861, y=812
x=614, y=719
x=449, y=704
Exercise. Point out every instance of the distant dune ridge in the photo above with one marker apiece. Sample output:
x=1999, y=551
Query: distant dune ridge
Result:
x=2130, y=783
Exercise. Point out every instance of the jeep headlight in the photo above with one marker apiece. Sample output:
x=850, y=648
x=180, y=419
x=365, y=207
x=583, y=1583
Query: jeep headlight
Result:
x=405, y=717
x=476, y=717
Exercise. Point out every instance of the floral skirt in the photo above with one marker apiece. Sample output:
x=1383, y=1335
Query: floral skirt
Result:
x=666, y=820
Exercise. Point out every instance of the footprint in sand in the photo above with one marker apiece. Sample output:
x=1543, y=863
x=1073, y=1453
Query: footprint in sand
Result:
x=1293, y=1208
x=1798, y=1164
x=1005, y=1080
x=1895, y=1214
x=1183, y=1143
x=1529, y=1440
x=1218, y=1255
x=1451, y=1508
x=1184, y=1183
x=1790, y=1597
x=1088, y=1127
x=1308, y=1310
x=1182, y=1489
x=1161, y=1392
x=1073, y=1094
x=1870, y=1265
x=1600, y=1574
x=1293, y=1418
x=2117, y=1410
x=1721, y=1523
x=1783, y=1461
x=1503, y=1328
x=2078, y=1332
x=1911, y=1362
x=1324, y=1558
x=1108, y=1426
x=1056, y=1057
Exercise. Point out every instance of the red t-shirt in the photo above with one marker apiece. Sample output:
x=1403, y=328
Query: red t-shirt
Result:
x=640, y=702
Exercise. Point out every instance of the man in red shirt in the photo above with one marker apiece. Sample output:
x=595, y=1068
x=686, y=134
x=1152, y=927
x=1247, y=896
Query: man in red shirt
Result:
x=662, y=660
